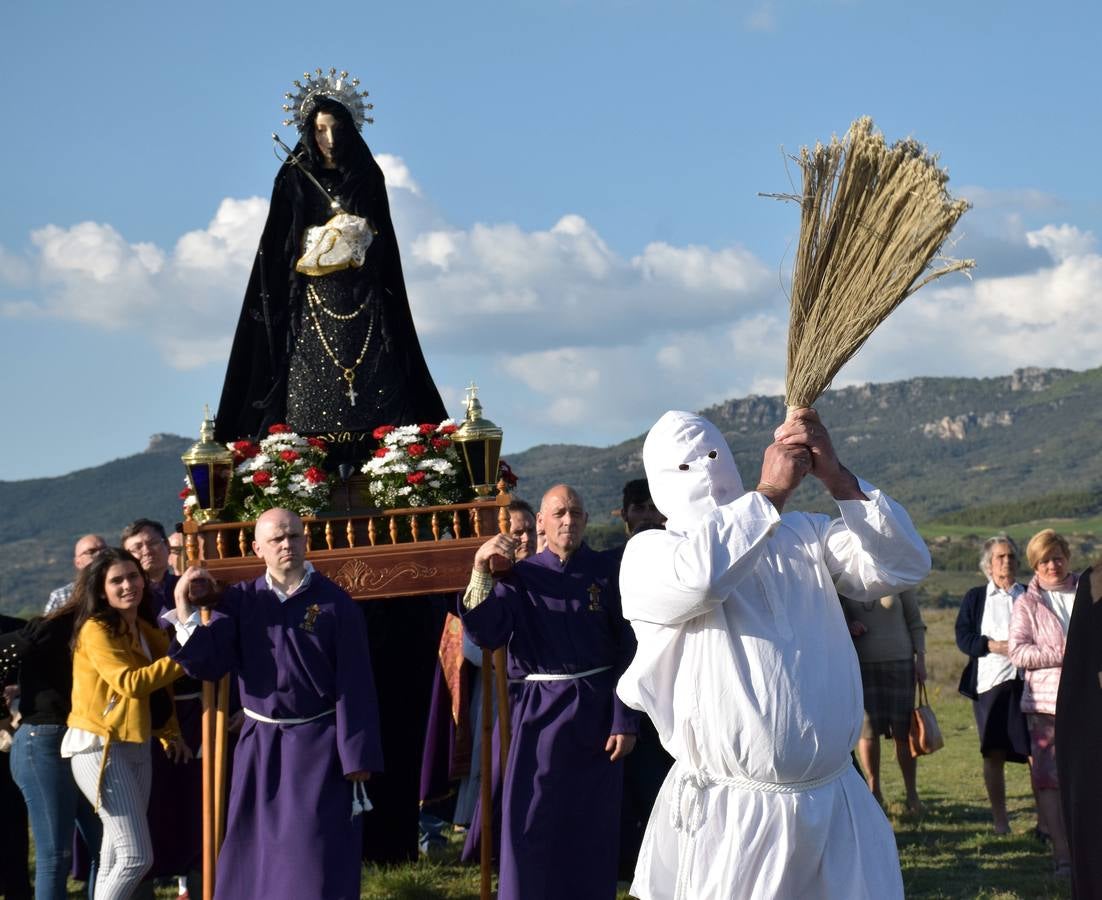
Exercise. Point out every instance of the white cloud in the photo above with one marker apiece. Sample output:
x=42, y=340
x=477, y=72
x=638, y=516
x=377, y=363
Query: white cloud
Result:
x=1029, y=199
x=565, y=286
x=572, y=340
x=1062, y=241
x=397, y=173
x=184, y=301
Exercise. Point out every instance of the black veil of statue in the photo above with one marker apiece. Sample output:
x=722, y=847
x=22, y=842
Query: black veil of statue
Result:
x=299, y=335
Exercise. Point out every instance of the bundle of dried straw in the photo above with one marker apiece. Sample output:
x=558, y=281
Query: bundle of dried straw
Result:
x=872, y=219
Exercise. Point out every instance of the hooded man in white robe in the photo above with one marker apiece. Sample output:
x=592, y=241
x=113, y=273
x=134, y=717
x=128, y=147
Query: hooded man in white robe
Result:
x=747, y=669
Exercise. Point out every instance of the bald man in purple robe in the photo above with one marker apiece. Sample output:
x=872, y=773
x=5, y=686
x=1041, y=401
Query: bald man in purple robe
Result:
x=298, y=645
x=559, y=613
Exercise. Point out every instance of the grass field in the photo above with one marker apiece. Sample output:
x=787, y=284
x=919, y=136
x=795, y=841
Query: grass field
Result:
x=1021, y=532
x=948, y=852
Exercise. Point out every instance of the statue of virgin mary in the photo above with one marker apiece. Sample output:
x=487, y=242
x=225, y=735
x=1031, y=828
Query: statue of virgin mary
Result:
x=326, y=342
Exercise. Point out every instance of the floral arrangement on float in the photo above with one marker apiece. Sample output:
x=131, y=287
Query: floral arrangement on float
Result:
x=414, y=465
x=283, y=470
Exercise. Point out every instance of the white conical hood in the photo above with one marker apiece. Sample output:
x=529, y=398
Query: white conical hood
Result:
x=690, y=469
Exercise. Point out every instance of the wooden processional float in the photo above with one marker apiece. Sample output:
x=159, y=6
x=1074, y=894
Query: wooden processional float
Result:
x=373, y=554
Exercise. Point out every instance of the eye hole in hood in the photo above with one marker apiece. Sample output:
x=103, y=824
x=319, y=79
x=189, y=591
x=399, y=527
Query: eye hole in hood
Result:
x=690, y=469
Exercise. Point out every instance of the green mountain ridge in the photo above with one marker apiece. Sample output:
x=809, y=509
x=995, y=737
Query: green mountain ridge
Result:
x=942, y=446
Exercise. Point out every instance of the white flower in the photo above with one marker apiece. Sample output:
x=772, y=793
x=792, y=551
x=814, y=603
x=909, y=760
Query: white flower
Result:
x=259, y=461
x=272, y=490
x=402, y=435
x=191, y=500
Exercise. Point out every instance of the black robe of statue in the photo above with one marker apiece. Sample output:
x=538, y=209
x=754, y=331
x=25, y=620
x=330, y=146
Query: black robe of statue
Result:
x=1079, y=736
x=277, y=350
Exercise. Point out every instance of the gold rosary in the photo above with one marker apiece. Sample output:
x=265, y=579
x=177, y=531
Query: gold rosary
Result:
x=348, y=373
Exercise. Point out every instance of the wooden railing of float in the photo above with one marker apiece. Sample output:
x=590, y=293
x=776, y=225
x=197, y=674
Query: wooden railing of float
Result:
x=372, y=554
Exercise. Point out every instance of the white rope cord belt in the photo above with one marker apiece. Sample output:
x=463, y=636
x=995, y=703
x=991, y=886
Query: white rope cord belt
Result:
x=360, y=803
x=689, y=807
x=260, y=718
x=564, y=676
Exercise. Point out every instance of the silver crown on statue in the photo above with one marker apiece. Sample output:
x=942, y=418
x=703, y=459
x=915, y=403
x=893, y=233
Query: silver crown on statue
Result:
x=336, y=86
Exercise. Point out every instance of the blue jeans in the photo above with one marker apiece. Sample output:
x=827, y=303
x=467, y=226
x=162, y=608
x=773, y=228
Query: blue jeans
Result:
x=54, y=805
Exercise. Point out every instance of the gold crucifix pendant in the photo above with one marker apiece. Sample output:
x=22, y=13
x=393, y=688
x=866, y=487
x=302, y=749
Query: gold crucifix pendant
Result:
x=312, y=612
x=594, y=598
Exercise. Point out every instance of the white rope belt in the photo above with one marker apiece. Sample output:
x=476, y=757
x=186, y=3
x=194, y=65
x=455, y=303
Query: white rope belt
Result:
x=564, y=676
x=194, y=696
x=260, y=718
x=360, y=803
x=689, y=807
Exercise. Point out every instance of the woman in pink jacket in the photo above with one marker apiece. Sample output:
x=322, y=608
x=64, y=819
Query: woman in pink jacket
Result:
x=1038, y=629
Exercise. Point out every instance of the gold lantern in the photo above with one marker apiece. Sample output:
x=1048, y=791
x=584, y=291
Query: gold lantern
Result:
x=209, y=468
x=479, y=441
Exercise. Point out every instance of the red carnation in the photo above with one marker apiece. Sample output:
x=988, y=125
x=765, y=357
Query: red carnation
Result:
x=416, y=450
x=245, y=449
x=382, y=431
x=381, y=452
x=427, y=429
x=440, y=444
x=288, y=455
x=415, y=477
x=315, y=475
x=185, y=493
x=317, y=442
x=262, y=478
x=279, y=428
x=449, y=429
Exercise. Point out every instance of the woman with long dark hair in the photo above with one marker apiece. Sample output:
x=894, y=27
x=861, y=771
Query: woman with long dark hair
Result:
x=119, y=669
x=326, y=342
x=41, y=654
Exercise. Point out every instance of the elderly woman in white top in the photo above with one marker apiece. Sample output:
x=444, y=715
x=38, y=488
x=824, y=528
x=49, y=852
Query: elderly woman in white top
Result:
x=990, y=679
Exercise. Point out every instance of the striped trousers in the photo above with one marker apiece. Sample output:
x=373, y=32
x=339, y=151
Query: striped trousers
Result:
x=127, y=851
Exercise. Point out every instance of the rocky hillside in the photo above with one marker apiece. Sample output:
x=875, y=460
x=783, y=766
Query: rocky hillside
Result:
x=940, y=445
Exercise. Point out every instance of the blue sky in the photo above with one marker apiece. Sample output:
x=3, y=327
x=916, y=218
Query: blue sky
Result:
x=574, y=187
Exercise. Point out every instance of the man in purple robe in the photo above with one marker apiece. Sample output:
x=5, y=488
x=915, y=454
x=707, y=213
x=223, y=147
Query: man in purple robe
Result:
x=559, y=612
x=298, y=645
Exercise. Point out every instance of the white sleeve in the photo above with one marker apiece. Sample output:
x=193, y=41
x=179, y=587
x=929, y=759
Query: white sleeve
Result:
x=667, y=579
x=184, y=630
x=873, y=549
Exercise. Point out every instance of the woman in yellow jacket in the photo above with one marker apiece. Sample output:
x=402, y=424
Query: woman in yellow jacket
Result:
x=120, y=700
